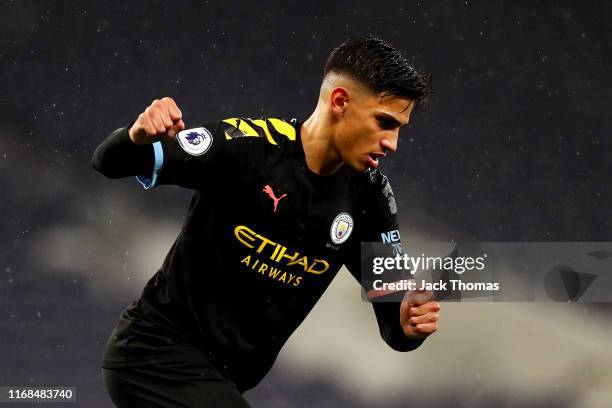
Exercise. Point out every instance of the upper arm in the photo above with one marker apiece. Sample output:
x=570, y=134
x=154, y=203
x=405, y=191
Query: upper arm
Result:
x=217, y=149
x=379, y=235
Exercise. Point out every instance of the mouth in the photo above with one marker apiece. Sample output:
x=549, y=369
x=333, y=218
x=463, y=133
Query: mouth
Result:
x=373, y=159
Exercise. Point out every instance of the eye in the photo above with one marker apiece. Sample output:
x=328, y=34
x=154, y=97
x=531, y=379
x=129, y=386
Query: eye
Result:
x=385, y=123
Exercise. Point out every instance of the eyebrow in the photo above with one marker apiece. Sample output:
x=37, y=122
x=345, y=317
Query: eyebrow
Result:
x=392, y=118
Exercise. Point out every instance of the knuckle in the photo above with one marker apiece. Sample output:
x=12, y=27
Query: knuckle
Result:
x=150, y=112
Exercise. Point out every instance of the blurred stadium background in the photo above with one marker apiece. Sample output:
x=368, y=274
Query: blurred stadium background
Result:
x=513, y=147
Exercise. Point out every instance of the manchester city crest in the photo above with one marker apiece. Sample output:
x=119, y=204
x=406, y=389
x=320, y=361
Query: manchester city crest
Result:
x=341, y=228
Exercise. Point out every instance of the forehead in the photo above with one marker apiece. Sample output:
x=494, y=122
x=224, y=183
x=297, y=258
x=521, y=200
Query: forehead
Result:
x=395, y=106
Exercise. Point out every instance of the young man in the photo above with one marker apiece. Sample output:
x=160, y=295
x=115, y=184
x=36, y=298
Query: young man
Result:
x=278, y=207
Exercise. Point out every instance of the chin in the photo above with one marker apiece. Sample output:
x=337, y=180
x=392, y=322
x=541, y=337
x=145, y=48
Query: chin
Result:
x=358, y=166
x=355, y=163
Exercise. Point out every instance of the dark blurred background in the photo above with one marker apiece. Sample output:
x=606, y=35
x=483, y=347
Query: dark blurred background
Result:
x=513, y=147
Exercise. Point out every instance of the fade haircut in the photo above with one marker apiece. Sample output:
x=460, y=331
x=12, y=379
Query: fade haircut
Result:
x=381, y=68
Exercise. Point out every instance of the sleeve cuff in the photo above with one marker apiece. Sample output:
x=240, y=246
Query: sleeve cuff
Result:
x=150, y=182
x=396, y=339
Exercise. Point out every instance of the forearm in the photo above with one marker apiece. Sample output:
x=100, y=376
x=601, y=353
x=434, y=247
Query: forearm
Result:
x=117, y=156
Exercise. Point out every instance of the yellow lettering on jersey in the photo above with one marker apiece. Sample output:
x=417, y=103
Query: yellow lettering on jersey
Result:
x=302, y=261
x=264, y=242
x=276, y=251
x=278, y=247
x=262, y=124
x=282, y=255
x=242, y=231
x=283, y=128
x=323, y=268
x=274, y=272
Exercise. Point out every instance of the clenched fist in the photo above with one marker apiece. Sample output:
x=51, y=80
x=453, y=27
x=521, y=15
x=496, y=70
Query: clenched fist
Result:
x=161, y=119
x=419, y=314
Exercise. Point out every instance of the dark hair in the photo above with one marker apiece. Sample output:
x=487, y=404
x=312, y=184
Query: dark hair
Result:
x=381, y=68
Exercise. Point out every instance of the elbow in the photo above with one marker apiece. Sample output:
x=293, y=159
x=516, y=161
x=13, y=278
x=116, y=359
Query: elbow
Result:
x=405, y=346
x=397, y=340
x=100, y=163
x=96, y=161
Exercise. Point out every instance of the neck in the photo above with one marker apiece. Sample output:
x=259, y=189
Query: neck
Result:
x=317, y=141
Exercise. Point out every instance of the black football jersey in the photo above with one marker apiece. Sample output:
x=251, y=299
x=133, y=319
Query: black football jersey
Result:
x=263, y=238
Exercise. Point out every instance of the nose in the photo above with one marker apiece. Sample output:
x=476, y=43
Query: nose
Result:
x=389, y=144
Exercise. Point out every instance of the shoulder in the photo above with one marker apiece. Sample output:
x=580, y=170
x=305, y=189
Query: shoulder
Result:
x=375, y=188
x=273, y=131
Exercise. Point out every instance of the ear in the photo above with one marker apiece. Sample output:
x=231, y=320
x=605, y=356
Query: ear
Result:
x=338, y=99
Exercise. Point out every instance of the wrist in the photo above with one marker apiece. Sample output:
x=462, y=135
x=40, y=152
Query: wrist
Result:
x=132, y=134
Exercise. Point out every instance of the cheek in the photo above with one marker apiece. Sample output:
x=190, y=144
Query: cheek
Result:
x=349, y=144
x=357, y=136
x=349, y=134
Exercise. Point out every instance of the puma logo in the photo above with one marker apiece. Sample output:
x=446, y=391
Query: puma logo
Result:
x=267, y=189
